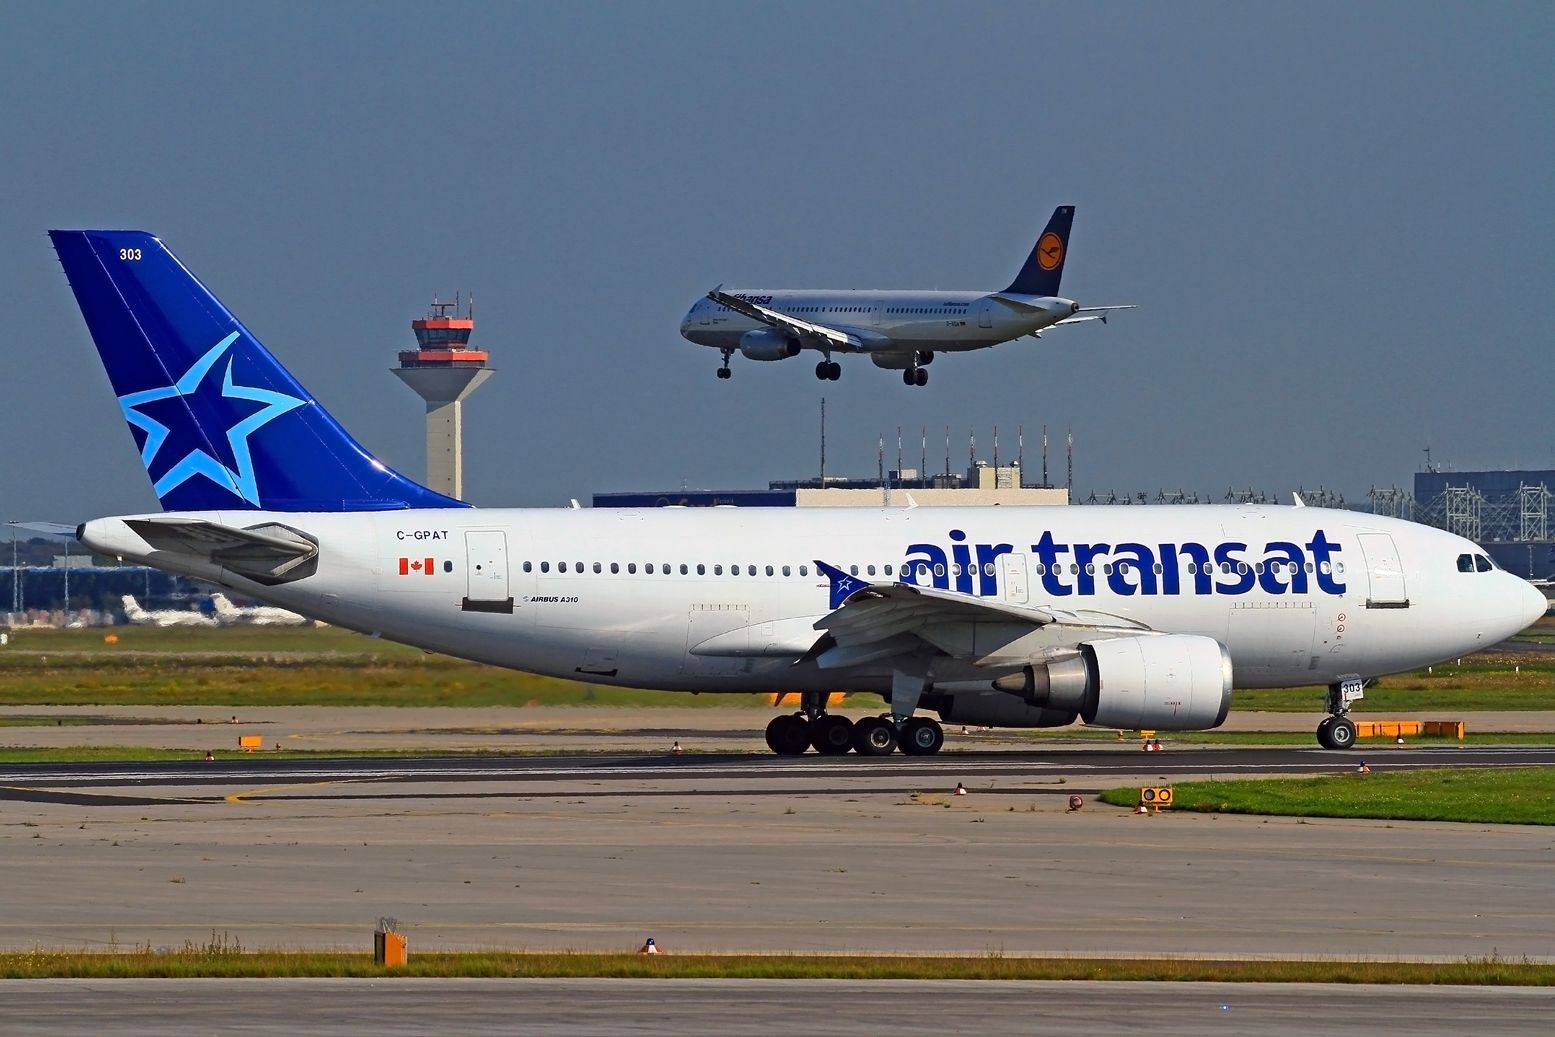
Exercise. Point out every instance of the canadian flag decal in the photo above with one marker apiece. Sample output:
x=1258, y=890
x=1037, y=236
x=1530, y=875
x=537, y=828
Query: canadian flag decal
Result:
x=423, y=566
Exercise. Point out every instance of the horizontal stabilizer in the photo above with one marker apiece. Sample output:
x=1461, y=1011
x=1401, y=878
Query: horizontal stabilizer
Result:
x=268, y=554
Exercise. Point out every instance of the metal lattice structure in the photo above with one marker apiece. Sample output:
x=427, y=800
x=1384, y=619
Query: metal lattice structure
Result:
x=1506, y=515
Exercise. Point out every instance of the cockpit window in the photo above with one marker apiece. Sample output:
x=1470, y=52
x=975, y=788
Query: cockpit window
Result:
x=1465, y=563
x=1483, y=564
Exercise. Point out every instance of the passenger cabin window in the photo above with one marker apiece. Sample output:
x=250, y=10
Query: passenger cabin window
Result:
x=598, y=567
x=615, y=567
x=528, y=567
x=804, y=570
x=545, y=567
x=701, y=569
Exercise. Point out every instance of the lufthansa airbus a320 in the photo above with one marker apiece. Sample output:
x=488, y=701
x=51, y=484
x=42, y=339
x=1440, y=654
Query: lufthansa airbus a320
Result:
x=898, y=330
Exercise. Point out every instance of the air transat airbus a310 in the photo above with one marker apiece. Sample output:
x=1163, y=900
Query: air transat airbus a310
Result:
x=899, y=330
x=1018, y=616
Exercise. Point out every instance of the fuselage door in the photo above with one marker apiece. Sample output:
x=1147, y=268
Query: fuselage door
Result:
x=985, y=313
x=877, y=312
x=486, y=562
x=1384, y=571
x=1012, y=578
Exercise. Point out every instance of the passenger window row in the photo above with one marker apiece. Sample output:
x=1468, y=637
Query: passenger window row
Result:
x=687, y=569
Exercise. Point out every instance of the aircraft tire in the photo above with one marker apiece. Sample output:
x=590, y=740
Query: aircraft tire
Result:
x=922, y=736
x=910, y=377
x=832, y=735
x=833, y=371
x=788, y=735
x=920, y=377
x=874, y=736
x=1323, y=728
x=823, y=370
x=1341, y=734
x=724, y=372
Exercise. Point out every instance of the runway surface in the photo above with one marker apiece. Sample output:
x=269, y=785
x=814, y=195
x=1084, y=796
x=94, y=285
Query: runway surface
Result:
x=1084, y=769
x=736, y=1008
x=747, y=853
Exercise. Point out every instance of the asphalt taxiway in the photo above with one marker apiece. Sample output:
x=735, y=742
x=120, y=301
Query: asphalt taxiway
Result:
x=737, y=1008
x=747, y=853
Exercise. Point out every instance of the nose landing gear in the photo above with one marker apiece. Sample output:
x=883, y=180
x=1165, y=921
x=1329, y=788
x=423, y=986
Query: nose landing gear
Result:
x=724, y=372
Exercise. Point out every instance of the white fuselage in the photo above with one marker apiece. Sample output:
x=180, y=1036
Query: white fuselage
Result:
x=885, y=321
x=627, y=596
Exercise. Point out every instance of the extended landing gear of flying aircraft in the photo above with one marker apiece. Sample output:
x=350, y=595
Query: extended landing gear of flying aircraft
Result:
x=1337, y=731
x=828, y=370
x=915, y=376
x=724, y=372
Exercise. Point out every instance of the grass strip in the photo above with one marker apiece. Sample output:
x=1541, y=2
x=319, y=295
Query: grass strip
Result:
x=227, y=963
x=1480, y=795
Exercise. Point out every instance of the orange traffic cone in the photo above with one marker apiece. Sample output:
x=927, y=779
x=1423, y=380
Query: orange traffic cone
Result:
x=649, y=948
x=209, y=755
x=1141, y=809
x=960, y=789
x=1076, y=802
x=1363, y=769
x=674, y=750
x=964, y=730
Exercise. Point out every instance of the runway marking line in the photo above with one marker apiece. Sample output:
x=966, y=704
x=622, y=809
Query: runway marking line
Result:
x=241, y=797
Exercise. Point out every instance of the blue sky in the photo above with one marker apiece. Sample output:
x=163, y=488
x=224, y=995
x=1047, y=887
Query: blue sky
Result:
x=1336, y=219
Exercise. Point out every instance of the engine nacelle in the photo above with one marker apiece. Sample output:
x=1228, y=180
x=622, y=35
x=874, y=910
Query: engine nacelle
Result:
x=766, y=344
x=902, y=361
x=996, y=709
x=1173, y=682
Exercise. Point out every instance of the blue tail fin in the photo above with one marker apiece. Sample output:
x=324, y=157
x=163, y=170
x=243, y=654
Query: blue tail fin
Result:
x=843, y=586
x=1045, y=266
x=219, y=422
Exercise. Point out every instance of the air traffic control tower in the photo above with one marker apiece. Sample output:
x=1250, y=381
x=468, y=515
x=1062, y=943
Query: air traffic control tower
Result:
x=443, y=370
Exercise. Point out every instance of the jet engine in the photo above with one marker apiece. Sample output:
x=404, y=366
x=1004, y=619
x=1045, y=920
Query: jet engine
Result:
x=766, y=344
x=1171, y=682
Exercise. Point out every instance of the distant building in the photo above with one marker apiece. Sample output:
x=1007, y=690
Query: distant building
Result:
x=983, y=484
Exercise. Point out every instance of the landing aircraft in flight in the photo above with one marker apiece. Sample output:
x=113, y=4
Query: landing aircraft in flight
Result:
x=899, y=330
x=1123, y=618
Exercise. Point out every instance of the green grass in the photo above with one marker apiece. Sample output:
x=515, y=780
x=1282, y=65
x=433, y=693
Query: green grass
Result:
x=223, y=959
x=260, y=666
x=1480, y=795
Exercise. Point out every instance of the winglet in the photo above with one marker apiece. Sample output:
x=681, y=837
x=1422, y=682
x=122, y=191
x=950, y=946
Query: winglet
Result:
x=843, y=586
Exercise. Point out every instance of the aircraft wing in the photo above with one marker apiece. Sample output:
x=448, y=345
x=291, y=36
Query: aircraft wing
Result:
x=839, y=339
x=875, y=621
x=268, y=554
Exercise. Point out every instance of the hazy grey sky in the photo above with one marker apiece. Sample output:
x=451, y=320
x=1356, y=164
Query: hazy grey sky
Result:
x=1336, y=219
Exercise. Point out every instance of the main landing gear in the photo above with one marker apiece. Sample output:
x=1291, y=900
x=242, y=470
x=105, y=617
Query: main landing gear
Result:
x=1338, y=731
x=724, y=372
x=915, y=376
x=828, y=370
x=832, y=735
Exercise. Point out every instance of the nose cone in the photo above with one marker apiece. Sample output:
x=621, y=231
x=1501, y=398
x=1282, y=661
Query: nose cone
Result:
x=1532, y=604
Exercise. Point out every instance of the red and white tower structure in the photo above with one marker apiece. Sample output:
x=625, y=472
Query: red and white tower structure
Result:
x=443, y=370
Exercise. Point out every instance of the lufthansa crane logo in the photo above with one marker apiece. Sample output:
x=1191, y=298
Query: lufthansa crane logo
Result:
x=1050, y=251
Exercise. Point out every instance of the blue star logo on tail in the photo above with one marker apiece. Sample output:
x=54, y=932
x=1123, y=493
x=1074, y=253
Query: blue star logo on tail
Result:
x=195, y=396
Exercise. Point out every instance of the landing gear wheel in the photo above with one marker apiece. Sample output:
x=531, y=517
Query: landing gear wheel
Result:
x=831, y=735
x=724, y=372
x=823, y=370
x=874, y=736
x=922, y=736
x=833, y=371
x=910, y=377
x=788, y=735
x=1322, y=732
x=1341, y=734
x=921, y=377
